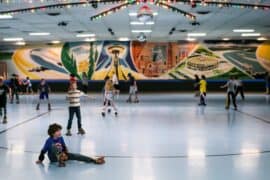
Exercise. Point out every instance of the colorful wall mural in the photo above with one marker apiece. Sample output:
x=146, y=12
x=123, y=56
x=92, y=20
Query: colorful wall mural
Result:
x=149, y=60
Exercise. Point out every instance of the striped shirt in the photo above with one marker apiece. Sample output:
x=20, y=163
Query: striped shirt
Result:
x=74, y=98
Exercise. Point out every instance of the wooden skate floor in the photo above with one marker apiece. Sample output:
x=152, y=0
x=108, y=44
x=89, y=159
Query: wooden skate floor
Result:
x=164, y=137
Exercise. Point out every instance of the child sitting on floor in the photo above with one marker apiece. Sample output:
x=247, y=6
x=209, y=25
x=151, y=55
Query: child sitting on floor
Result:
x=57, y=151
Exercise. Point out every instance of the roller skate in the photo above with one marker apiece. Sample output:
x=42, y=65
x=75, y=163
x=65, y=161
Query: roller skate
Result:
x=99, y=160
x=5, y=120
x=81, y=131
x=37, y=108
x=103, y=114
x=68, y=133
x=49, y=107
x=62, y=158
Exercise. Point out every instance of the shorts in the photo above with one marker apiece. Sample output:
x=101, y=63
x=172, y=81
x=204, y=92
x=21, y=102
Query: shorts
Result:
x=116, y=86
x=133, y=89
x=44, y=95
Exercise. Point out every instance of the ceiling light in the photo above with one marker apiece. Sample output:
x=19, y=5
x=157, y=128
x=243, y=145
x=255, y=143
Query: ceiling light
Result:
x=150, y=23
x=135, y=14
x=123, y=39
x=261, y=39
x=89, y=39
x=250, y=34
x=20, y=43
x=85, y=35
x=55, y=42
x=190, y=39
x=39, y=34
x=196, y=34
x=244, y=30
x=136, y=23
x=6, y=16
x=13, y=39
x=225, y=39
x=142, y=31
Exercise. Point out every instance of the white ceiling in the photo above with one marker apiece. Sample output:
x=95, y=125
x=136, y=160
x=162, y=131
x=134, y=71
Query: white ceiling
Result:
x=218, y=24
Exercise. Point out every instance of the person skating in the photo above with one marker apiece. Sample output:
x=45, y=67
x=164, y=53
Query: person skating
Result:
x=239, y=88
x=4, y=91
x=74, y=96
x=14, y=85
x=108, y=97
x=43, y=90
x=133, y=89
x=231, y=89
x=203, y=89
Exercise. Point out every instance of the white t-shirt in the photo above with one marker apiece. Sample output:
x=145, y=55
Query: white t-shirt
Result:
x=115, y=80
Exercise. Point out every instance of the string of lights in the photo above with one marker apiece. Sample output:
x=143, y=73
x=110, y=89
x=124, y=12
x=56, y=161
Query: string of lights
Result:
x=165, y=3
x=174, y=9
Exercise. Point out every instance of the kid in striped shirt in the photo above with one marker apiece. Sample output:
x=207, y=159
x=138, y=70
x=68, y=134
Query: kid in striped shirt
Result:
x=74, y=96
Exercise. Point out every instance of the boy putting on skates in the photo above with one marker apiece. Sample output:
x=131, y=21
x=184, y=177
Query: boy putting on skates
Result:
x=74, y=96
x=4, y=91
x=57, y=151
x=44, y=91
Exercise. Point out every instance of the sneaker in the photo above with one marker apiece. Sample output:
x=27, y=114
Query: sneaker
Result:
x=68, y=133
x=109, y=110
x=5, y=120
x=116, y=113
x=81, y=131
x=227, y=107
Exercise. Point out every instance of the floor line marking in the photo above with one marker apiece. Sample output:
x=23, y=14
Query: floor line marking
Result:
x=24, y=122
x=254, y=116
x=159, y=157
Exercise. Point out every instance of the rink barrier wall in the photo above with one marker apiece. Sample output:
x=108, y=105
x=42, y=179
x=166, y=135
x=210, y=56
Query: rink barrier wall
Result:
x=155, y=85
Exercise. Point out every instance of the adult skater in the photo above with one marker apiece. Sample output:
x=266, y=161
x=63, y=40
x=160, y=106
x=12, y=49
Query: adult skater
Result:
x=203, y=89
x=239, y=88
x=14, y=85
x=4, y=91
x=108, y=96
x=197, y=85
x=231, y=89
x=57, y=150
x=133, y=89
x=74, y=96
x=43, y=90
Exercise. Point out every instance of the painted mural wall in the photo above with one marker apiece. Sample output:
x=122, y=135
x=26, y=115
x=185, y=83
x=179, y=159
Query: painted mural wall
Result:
x=149, y=60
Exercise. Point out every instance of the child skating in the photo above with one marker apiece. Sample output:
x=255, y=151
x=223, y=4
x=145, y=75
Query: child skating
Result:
x=231, y=89
x=28, y=86
x=133, y=89
x=57, y=150
x=43, y=90
x=4, y=91
x=203, y=89
x=74, y=96
x=15, y=88
x=108, y=97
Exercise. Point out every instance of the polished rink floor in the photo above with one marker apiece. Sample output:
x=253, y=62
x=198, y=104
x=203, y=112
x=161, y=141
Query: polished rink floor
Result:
x=164, y=137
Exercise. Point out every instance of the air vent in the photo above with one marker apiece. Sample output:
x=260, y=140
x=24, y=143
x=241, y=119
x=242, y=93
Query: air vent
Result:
x=53, y=14
x=203, y=12
x=5, y=27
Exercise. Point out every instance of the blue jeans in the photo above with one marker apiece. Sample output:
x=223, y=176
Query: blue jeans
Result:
x=72, y=112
